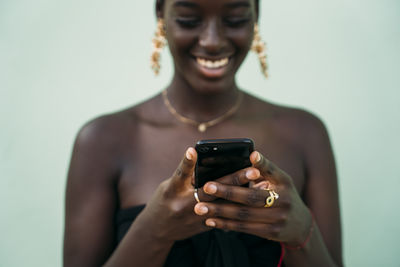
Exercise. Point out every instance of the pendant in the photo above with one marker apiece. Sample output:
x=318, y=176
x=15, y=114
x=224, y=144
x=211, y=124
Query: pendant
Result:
x=202, y=127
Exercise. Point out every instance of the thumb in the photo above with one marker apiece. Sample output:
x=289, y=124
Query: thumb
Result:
x=268, y=169
x=184, y=173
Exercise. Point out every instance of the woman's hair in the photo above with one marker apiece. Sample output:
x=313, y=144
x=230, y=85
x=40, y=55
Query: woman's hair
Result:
x=161, y=2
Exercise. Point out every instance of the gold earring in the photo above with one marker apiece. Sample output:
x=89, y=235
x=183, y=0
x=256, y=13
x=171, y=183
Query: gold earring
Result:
x=159, y=41
x=258, y=47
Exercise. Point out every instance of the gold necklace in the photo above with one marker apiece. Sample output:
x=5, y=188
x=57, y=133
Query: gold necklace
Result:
x=201, y=126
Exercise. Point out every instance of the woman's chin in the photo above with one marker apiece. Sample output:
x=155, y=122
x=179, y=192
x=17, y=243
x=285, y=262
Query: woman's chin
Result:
x=212, y=86
x=209, y=80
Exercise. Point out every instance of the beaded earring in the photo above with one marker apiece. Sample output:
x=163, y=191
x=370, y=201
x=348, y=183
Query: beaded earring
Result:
x=159, y=41
x=258, y=46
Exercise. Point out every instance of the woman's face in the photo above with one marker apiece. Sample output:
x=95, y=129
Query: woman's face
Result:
x=209, y=40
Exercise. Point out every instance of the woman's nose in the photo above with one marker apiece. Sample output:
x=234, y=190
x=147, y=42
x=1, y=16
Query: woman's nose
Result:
x=212, y=38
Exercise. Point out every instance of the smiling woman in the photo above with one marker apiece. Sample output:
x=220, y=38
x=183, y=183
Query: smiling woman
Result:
x=203, y=35
x=123, y=207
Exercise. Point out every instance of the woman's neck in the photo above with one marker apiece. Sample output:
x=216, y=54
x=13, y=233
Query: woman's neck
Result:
x=201, y=106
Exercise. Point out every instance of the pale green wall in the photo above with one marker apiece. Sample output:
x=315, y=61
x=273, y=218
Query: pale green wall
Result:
x=64, y=62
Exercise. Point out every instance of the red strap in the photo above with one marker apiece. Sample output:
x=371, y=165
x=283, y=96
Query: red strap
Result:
x=301, y=246
x=282, y=255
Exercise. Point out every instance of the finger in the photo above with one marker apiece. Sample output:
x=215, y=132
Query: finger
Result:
x=240, y=213
x=268, y=169
x=184, y=172
x=264, y=230
x=240, y=177
x=248, y=196
x=237, y=178
x=262, y=185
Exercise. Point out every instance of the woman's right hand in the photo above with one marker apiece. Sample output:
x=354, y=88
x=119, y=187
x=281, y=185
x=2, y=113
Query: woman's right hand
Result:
x=169, y=215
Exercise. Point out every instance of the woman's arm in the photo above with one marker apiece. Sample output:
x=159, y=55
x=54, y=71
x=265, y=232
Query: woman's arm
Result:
x=91, y=199
x=322, y=198
x=289, y=219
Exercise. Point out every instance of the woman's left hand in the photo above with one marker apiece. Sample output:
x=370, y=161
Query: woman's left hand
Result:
x=287, y=220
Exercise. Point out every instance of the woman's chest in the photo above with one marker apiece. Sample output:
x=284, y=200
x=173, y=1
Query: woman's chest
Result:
x=155, y=155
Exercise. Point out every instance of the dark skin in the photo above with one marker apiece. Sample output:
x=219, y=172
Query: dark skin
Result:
x=126, y=159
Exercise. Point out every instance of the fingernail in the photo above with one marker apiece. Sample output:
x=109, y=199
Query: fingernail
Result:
x=202, y=210
x=189, y=155
x=258, y=157
x=210, y=188
x=210, y=223
x=251, y=174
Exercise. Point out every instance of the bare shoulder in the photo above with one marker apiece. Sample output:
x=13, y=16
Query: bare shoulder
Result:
x=295, y=123
x=107, y=129
x=112, y=133
x=104, y=135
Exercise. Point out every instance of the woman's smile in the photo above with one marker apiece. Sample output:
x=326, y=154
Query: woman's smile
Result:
x=212, y=64
x=212, y=68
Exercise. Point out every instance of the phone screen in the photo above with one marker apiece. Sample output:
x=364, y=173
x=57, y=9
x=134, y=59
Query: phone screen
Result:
x=219, y=157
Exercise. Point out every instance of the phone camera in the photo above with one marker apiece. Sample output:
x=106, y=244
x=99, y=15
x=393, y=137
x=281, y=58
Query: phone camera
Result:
x=204, y=149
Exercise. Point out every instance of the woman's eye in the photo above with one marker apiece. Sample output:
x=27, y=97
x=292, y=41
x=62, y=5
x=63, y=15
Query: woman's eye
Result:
x=188, y=22
x=236, y=22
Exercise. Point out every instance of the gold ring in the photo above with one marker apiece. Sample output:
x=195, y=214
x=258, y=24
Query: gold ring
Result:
x=196, y=195
x=269, y=201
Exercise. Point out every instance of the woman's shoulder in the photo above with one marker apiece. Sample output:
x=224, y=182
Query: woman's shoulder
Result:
x=293, y=123
x=107, y=127
x=115, y=130
x=287, y=116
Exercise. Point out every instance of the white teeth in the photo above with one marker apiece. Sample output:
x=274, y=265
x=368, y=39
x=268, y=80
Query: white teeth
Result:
x=212, y=64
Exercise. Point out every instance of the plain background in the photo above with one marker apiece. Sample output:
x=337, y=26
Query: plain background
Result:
x=63, y=63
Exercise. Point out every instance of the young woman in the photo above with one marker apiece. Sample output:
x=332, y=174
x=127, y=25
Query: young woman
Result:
x=123, y=207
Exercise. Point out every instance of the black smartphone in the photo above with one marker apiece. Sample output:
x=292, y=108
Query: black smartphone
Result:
x=220, y=157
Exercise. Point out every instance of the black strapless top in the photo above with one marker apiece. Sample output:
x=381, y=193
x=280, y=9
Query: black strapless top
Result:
x=214, y=248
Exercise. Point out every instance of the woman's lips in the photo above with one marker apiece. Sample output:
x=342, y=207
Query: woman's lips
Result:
x=212, y=64
x=212, y=68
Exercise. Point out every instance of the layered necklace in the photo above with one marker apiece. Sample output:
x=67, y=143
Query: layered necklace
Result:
x=202, y=126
